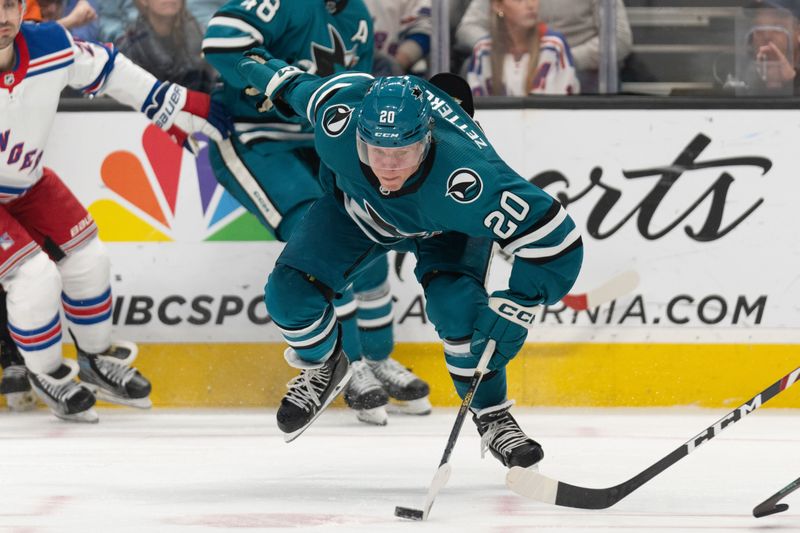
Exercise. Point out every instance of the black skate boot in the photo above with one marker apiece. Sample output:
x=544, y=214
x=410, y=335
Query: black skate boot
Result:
x=501, y=435
x=68, y=399
x=311, y=392
x=14, y=384
x=410, y=393
x=365, y=395
x=111, y=377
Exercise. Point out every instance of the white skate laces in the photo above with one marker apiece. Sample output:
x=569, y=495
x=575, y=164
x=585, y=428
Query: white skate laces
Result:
x=64, y=387
x=115, y=370
x=363, y=378
x=504, y=435
x=305, y=389
x=15, y=372
x=390, y=371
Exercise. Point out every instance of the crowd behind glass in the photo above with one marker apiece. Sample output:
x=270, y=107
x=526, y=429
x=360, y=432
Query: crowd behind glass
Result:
x=658, y=47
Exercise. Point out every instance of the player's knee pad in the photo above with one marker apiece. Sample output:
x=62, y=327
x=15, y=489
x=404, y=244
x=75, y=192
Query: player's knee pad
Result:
x=34, y=320
x=300, y=307
x=453, y=301
x=294, y=298
x=86, y=272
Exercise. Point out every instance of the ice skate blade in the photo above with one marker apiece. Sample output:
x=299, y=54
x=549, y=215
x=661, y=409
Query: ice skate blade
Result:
x=104, y=395
x=418, y=407
x=84, y=417
x=289, y=437
x=375, y=417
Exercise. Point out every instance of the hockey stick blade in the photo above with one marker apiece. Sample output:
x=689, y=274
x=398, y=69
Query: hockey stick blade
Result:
x=531, y=484
x=771, y=505
x=442, y=474
x=619, y=285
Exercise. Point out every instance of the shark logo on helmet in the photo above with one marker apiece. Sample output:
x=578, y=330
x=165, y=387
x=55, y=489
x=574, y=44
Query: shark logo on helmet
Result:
x=464, y=186
x=336, y=119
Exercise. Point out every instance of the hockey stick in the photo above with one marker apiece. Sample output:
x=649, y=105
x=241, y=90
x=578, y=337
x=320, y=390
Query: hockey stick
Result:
x=771, y=506
x=619, y=285
x=443, y=472
x=536, y=486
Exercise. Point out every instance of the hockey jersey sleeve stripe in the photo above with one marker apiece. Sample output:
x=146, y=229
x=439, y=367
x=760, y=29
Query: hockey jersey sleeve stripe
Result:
x=228, y=44
x=538, y=261
x=50, y=67
x=228, y=34
x=49, y=58
x=238, y=24
x=4, y=189
x=99, y=82
x=547, y=224
x=550, y=252
x=325, y=91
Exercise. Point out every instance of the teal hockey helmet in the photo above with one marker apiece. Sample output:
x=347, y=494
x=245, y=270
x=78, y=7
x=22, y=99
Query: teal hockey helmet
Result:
x=395, y=120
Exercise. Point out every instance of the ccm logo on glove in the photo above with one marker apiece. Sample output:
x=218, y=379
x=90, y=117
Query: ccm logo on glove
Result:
x=513, y=312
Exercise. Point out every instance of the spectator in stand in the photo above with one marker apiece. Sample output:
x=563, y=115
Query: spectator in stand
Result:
x=165, y=40
x=521, y=56
x=774, y=42
x=116, y=15
x=578, y=20
x=78, y=16
x=402, y=35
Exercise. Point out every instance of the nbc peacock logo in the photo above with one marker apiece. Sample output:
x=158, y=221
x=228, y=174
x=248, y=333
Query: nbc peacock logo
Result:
x=161, y=201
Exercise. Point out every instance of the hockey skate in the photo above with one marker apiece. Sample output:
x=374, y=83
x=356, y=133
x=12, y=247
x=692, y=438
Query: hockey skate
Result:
x=365, y=395
x=110, y=376
x=68, y=399
x=311, y=392
x=501, y=435
x=408, y=392
x=14, y=384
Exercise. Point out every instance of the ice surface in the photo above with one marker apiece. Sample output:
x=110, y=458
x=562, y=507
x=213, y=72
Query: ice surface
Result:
x=197, y=471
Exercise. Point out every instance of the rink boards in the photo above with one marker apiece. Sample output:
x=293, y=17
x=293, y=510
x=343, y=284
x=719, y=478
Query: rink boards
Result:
x=699, y=203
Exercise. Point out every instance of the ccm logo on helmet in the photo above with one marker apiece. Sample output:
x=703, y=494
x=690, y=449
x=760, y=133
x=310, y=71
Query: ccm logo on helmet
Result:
x=512, y=311
x=336, y=119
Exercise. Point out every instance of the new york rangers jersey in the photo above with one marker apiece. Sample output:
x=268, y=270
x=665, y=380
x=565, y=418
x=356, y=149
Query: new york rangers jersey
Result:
x=48, y=60
x=397, y=20
x=462, y=186
x=302, y=33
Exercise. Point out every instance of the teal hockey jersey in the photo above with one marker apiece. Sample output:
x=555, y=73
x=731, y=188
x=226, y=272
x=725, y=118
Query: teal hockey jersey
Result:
x=461, y=186
x=302, y=33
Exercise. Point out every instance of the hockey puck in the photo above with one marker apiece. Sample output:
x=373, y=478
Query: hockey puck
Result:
x=408, y=514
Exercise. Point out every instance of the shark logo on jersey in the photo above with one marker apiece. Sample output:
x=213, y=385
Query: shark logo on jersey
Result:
x=464, y=186
x=6, y=241
x=327, y=59
x=376, y=227
x=336, y=119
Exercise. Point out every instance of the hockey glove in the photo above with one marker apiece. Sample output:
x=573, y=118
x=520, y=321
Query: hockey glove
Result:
x=182, y=113
x=506, y=320
x=266, y=74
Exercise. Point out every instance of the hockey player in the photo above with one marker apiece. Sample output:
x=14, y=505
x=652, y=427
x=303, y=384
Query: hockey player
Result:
x=410, y=170
x=49, y=251
x=270, y=166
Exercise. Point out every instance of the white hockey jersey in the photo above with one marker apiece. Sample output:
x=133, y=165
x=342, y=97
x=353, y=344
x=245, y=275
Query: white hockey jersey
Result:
x=395, y=20
x=47, y=60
